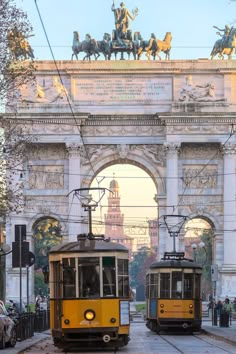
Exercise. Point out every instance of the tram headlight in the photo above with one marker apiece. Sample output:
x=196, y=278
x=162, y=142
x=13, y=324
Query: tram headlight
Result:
x=191, y=306
x=89, y=315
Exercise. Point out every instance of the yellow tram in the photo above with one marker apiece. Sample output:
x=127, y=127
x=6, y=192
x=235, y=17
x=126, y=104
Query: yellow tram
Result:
x=89, y=293
x=173, y=294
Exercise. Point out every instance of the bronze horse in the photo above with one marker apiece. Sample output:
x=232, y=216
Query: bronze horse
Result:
x=89, y=46
x=229, y=50
x=139, y=45
x=155, y=46
x=105, y=46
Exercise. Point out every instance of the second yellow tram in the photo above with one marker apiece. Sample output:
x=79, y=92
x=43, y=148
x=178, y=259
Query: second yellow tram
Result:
x=173, y=294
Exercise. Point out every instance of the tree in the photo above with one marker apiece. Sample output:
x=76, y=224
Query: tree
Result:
x=47, y=233
x=15, y=72
x=139, y=266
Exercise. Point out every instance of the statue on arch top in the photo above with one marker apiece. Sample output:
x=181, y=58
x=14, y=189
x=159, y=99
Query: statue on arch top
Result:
x=225, y=36
x=122, y=16
x=19, y=45
x=226, y=44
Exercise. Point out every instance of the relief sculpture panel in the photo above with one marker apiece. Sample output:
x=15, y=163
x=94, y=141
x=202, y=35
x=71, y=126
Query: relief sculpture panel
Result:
x=46, y=177
x=200, y=176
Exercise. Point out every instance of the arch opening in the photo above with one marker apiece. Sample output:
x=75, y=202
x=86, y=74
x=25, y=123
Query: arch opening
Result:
x=46, y=234
x=198, y=244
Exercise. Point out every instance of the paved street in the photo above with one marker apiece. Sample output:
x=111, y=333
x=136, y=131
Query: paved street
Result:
x=144, y=342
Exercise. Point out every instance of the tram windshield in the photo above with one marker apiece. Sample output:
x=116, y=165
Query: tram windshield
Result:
x=89, y=277
x=174, y=285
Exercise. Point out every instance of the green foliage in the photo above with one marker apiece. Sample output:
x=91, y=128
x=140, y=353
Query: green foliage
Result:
x=139, y=266
x=140, y=307
x=47, y=233
x=39, y=284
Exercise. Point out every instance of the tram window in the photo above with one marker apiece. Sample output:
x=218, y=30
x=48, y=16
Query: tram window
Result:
x=147, y=286
x=89, y=278
x=188, y=286
x=165, y=285
x=197, y=286
x=109, y=276
x=154, y=285
x=123, y=278
x=176, y=286
x=56, y=279
x=68, y=266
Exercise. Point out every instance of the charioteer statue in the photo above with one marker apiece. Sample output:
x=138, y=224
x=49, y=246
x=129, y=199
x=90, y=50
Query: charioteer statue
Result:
x=122, y=16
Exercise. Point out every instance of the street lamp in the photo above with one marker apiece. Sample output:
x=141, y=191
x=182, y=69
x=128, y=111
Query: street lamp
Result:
x=200, y=245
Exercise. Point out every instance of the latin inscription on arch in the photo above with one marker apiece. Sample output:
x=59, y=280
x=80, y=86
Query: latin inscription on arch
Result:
x=122, y=88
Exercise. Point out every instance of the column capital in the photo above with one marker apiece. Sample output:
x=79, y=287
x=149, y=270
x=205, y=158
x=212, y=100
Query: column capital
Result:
x=74, y=148
x=172, y=148
x=229, y=148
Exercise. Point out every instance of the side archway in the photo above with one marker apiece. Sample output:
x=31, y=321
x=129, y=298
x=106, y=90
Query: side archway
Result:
x=199, y=246
x=47, y=232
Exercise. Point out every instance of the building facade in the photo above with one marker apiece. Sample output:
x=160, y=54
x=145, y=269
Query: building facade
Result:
x=173, y=119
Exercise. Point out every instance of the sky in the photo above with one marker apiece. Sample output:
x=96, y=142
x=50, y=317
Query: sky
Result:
x=137, y=192
x=190, y=22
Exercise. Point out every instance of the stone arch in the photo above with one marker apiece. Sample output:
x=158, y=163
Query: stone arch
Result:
x=211, y=219
x=200, y=246
x=41, y=216
x=150, y=169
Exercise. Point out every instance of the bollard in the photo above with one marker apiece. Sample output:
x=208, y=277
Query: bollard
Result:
x=224, y=319
x=215, y=317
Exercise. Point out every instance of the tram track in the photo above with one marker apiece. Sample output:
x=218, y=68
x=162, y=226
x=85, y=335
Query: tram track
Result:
x=198, y=336
x=212, y=342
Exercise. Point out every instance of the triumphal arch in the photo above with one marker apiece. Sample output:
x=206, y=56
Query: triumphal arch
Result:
x=174, y=119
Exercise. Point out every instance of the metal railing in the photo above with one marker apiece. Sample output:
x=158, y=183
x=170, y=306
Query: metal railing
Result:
x=29, y=322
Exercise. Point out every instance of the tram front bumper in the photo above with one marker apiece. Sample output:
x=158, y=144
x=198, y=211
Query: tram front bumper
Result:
x=76, y=335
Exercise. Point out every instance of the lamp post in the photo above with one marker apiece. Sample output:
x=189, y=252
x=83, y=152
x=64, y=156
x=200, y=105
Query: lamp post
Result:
x=200, y=245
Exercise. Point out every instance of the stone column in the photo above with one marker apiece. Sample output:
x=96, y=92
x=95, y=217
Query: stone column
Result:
x=229, y=260
x=74, y=179
x=162, y=230
x=172, y=150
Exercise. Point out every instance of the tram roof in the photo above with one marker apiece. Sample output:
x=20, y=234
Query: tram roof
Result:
x=173, y=263
x=88, y=246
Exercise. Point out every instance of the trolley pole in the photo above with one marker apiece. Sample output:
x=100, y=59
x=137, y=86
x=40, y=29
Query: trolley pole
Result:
x=174, y=224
